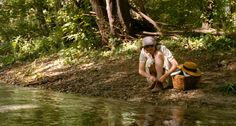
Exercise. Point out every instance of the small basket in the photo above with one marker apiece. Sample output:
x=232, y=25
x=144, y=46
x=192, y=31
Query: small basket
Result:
x=185, y=83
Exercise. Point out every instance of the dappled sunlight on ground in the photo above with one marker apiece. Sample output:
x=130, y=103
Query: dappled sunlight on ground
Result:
x=50, y=69
x=191, y=94
x=115, y=77
x=86, y=66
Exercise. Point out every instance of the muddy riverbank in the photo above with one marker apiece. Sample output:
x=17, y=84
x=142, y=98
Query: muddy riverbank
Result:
x=119, y=79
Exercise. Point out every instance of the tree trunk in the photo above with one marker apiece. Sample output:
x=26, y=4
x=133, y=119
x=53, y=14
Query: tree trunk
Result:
x=114, y=19
x=206, y=24
x=101, y=19
x=109, y=8
x=124, y=17
x=40, y=16
x=140, y=5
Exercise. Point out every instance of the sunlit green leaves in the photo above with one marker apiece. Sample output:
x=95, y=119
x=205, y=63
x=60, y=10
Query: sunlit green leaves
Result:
x=191, y=13
x=70, y=55
x=70, y=26
x=222, y=44
x=204, y=42
x=67, y=26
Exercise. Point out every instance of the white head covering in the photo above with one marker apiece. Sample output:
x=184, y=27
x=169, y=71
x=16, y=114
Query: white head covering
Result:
x=148, y=40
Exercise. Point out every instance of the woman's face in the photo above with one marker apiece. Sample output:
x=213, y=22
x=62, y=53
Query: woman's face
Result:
x=149, y=49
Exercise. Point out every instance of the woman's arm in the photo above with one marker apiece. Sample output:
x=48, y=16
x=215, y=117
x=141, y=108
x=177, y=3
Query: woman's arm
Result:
x=144, y=73
x=173, y=67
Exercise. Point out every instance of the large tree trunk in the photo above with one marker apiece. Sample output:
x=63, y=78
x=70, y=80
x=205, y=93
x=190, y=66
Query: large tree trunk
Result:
x=99, y=6
x=139, y=5
x=124, y=17
x=109, y=8
x=113, y=18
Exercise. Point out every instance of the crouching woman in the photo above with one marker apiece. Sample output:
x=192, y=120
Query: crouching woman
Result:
x=156, y=63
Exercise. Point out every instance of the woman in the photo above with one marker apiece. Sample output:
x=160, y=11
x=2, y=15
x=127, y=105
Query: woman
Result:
x=156, y=63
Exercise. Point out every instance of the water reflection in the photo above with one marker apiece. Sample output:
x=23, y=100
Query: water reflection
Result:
x=8, y=108
x=22, y=106
x=176, y=118
x=154, y=116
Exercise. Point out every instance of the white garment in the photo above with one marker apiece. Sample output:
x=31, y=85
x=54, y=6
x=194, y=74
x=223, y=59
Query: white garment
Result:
x=148, y=59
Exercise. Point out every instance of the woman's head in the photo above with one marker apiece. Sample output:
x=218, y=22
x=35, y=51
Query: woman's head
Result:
x=148, y=43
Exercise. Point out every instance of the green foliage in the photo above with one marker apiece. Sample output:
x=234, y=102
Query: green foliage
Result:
x=204, y=42
x=76, y=56
x=19, y=19
x=6, y=56
x=67, y=25
x=128, y=50
x=70, y=29
x=222, y=15
x=77, y=28
x=5, y=48
x=191, y=13
x=22, y=49
x=69, y=55
x=228, y=88
x=221, y=43
x=6, y=60
x=114, y=42
x=184, y=13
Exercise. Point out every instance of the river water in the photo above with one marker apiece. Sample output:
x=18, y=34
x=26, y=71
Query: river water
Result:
x=33, y=107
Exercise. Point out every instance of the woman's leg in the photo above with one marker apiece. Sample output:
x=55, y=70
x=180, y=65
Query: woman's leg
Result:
x=157, y=71
x=152, y=71
x=159, y=62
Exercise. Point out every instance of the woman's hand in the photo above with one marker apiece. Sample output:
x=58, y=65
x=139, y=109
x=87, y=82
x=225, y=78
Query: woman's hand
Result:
x=152, y=78
x=163, y=78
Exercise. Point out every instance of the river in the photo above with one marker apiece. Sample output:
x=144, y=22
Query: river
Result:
x=33, y=107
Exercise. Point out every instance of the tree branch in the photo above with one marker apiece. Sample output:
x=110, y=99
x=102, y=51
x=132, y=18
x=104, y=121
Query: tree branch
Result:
x=171, y=33
x=147, y=18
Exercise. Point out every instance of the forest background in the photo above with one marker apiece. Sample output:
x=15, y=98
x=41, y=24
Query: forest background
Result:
x=81, y=31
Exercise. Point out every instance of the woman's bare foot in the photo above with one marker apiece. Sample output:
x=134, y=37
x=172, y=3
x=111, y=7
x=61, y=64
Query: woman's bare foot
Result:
x=158, y=87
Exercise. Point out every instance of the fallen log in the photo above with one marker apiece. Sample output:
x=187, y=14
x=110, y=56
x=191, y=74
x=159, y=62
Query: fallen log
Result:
x=172, y=33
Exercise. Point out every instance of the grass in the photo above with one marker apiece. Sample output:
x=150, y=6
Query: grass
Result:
x=229, y=88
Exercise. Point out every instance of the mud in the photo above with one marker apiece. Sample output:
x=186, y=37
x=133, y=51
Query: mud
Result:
x=119, y=79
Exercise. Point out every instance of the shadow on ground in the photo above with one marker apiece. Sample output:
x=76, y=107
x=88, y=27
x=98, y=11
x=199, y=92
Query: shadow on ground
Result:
x=118, y=79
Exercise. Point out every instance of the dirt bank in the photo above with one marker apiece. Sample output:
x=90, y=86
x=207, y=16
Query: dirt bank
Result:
x=118, y=79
